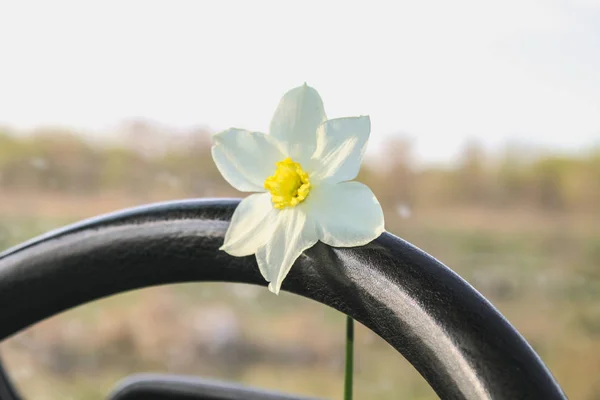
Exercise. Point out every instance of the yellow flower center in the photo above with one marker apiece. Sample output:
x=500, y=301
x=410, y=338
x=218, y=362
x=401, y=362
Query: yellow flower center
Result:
x=289, y=186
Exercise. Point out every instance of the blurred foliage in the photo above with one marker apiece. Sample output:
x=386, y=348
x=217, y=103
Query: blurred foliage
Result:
x=147, y=160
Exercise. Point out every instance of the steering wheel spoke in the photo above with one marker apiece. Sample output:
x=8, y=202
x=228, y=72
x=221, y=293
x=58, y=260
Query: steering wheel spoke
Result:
x=176, y=387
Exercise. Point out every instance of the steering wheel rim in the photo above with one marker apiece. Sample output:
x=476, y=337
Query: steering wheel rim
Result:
x=451, y=334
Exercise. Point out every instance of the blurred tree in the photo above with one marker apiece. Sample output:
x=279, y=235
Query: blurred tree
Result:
x=549, y=178
x=397, y=177
x=149, y=160
x=471, y=179
x=512, y=176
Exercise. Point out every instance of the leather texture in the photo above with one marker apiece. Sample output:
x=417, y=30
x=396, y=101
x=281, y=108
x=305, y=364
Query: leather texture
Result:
x=174, y=387
x=451, y=334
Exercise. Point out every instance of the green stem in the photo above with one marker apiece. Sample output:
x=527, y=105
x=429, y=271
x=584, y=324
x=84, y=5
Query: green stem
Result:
x=349, y=358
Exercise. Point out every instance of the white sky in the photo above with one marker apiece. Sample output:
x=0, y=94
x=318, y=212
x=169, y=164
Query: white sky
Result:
x=440, y=71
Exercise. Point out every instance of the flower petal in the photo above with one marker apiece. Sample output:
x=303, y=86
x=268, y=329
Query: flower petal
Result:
x=251, y=226
x=295, y=122
x=341, y=144
x=293, y=234
x=346, y=214
x=246, y=159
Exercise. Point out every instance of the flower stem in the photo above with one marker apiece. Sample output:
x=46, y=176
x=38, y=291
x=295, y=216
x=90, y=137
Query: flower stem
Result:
x=349, y=358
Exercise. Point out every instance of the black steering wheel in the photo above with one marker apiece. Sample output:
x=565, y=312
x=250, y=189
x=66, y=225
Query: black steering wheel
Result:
x=451, y=334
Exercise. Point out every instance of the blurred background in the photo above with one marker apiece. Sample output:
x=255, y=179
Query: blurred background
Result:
x=485, y=152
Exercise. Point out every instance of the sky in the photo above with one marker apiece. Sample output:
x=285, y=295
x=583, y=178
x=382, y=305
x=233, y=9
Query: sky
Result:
x=439, y=72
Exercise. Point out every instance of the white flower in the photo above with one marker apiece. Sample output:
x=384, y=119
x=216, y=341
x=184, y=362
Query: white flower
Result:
x=301, y=170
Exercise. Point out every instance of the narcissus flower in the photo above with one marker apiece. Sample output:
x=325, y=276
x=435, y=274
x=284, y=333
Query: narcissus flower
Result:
x=301, y=170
